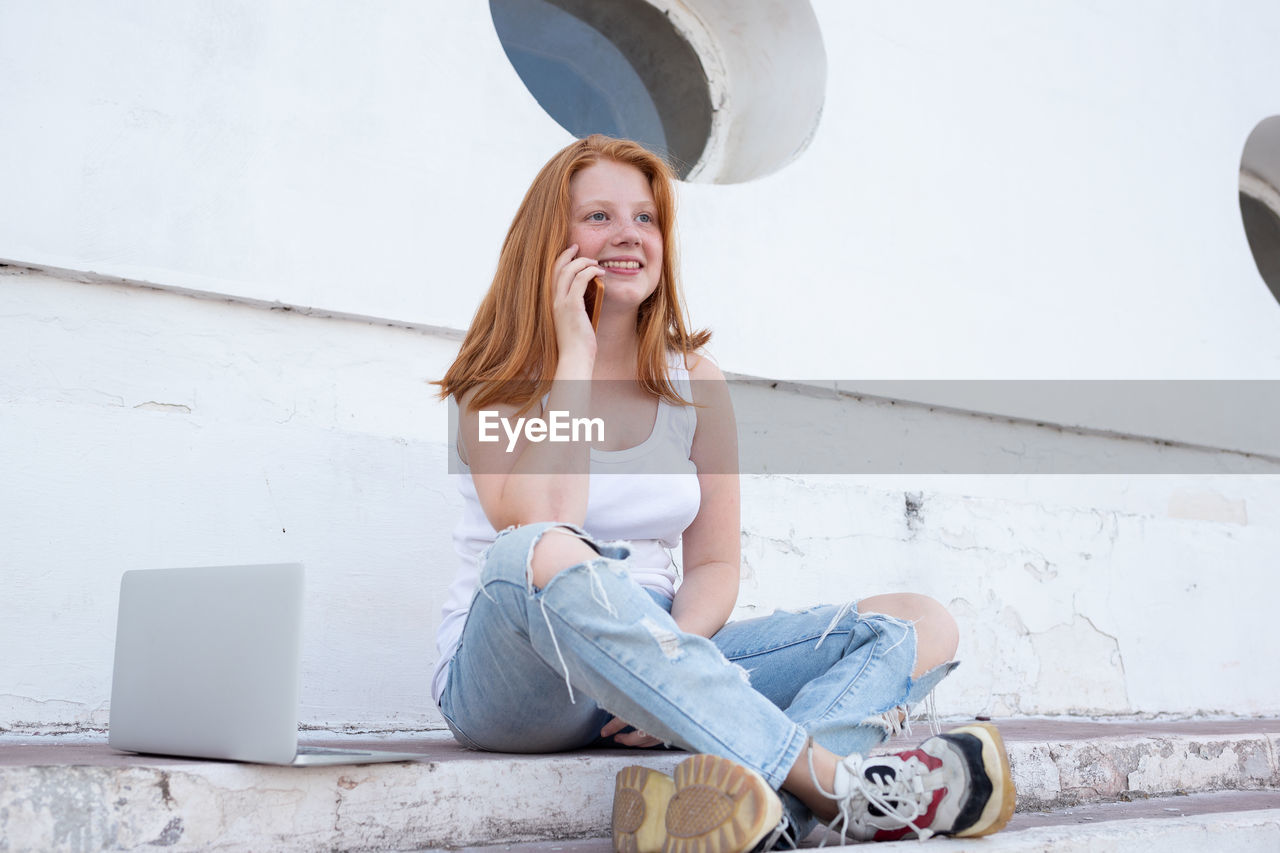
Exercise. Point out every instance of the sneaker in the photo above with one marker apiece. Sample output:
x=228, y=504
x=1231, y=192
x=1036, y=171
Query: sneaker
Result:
x=640, y=798
x=957, y=783
x=712, y=805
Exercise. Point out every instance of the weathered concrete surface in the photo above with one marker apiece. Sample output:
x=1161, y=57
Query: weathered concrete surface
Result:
x=1239, y=832
x=85, y=796
x=192, y=805
x=1063, y=773
x=1233, y=808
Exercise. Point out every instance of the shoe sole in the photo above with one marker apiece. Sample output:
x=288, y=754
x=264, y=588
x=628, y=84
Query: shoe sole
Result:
x=719, y=807
x=995, y=761
x=640, y=798
x=712, y=805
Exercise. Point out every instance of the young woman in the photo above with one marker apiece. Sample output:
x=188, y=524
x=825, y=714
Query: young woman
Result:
x=568, y=627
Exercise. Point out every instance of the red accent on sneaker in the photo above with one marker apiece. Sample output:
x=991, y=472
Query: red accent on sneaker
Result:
x=924, y=822
x=930, y=761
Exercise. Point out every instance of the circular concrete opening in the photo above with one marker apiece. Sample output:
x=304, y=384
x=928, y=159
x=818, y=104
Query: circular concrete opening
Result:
x=617, y=68
x=725, y=93
x=1260, y=199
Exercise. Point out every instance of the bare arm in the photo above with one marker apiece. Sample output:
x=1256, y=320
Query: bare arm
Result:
x=712, y=543
x=541, y=481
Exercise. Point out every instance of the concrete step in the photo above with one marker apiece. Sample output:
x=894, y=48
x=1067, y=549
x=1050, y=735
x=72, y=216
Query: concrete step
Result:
x=60, y=793
x=1239, y=821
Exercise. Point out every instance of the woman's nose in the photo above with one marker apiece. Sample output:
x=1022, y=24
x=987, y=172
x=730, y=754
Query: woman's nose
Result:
x=627, y=232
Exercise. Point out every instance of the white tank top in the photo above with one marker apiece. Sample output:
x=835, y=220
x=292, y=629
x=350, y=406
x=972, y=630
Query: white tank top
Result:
x=645, y=495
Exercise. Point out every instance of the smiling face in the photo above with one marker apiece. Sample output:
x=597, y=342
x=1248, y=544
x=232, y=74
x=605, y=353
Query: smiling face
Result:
x=614, y=220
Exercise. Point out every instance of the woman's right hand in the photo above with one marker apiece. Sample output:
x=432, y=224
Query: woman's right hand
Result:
x=573, y=326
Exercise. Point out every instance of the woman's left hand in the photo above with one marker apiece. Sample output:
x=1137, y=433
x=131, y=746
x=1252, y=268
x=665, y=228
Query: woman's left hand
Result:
x=637, y=738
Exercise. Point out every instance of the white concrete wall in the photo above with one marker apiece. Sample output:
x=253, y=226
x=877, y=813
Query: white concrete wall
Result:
x=1088, y=595
x=144, y=429
x=993, y=191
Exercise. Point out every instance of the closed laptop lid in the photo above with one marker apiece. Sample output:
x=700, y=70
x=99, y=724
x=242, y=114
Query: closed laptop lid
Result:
x=207, y=662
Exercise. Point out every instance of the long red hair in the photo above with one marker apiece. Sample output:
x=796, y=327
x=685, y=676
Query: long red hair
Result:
x=509, y=354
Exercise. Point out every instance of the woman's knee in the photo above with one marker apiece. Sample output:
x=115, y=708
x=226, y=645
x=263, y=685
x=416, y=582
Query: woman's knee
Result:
x=937, y=635
x=557, y=549
x=527, y=553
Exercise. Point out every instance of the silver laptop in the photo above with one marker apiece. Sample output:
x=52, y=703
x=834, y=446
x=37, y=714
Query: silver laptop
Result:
x=207, y=666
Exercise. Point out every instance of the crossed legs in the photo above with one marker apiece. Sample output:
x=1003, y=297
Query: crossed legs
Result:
x=936, y=638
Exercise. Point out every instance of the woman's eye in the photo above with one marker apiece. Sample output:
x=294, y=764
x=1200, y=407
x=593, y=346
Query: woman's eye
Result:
x=646, y=218
x=596, y=217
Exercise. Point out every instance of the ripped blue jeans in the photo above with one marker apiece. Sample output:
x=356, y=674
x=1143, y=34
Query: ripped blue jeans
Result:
x=543, y=670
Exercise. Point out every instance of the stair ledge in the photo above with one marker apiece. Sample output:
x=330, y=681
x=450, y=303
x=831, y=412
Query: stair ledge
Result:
x=83, y=795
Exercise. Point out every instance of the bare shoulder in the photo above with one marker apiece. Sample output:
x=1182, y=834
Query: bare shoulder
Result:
x=710, y=391
x=485, y=455
x=466, y=408
x=702, y=366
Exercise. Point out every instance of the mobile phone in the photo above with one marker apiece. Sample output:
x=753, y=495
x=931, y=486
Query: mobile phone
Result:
x=594, y=298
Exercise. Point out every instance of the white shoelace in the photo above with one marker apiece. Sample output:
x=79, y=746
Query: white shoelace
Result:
x=781, y=832
x=900, y=796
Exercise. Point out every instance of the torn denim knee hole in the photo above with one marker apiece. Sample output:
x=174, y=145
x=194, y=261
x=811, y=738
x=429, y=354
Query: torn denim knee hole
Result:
x=568, y=528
